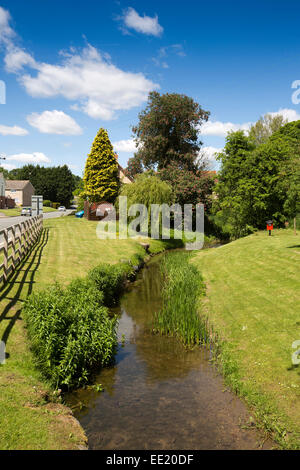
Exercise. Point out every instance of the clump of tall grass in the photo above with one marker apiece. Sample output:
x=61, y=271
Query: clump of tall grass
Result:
x=109, y=280
x=182, y=287
x=71, y=332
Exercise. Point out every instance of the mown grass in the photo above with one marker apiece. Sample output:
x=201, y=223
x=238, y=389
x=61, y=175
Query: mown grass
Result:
x=253, y=302
x=17, y=211
x=67, y=249
x=73, y=248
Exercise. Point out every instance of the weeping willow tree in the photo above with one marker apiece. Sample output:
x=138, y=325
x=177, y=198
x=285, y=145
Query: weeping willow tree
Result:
x=146, y=190
x=101, y=180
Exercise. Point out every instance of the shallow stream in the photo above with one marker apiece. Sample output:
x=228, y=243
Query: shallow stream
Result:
x=158, y=395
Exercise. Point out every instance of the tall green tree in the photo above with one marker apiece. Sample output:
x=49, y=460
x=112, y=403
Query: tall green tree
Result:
x=101, y=180
x=290, y=180
x=64, y=185
x=168, y=131
x=53, y=183
x=5, y=172
x=266, y=126
x=249, y=189
x=134, y=166
x=189, y=187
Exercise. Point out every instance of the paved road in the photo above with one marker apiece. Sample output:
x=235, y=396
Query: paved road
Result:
x=8, y=221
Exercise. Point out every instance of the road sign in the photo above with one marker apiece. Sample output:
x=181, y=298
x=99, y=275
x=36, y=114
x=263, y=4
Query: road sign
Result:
x=36, y=205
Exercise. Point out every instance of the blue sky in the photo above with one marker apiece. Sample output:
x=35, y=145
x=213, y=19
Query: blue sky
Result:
x=71, y=67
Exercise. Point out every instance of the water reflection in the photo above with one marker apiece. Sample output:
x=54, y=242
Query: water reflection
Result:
x=158, y=395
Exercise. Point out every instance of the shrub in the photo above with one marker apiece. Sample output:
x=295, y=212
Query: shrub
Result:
x=80, y=204
x=110, y=280
x=47, y=203
x=71, y=332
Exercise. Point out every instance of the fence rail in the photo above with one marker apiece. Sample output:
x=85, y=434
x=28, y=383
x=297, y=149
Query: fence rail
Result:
x=15, y=242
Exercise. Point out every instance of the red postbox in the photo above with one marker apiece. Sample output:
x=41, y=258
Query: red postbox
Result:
x=270, y=226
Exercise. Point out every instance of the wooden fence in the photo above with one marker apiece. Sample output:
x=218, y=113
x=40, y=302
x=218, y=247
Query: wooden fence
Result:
x=15, y=242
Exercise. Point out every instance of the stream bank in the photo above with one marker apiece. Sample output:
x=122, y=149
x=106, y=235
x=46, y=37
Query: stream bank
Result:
x=158, y=395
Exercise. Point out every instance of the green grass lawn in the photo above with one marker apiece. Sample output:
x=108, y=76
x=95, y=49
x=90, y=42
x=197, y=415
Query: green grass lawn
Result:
x=17, y=211
x=67, y=249
x=48, y=209
x=11, y=212
x=253, y=301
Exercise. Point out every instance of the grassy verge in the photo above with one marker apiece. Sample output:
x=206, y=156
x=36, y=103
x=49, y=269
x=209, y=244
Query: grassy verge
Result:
x=49, y=209
x=253, y=303
x=17, y=211
x=11, y=212
x=68, y=248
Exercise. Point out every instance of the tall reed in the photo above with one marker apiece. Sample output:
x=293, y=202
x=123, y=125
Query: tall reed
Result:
x=182, y=287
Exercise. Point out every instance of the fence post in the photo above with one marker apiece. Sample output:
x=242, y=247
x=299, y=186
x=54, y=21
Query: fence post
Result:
x=29, y=231
x=24, y=240
x=25, y=234
x=5, y=251
x=13, y=246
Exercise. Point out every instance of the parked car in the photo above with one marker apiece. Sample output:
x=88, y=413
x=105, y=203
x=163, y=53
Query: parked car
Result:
x=61, y=208
x=26, y=211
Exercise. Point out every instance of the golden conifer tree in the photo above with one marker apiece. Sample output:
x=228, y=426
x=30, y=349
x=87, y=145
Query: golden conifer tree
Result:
x=101, y=180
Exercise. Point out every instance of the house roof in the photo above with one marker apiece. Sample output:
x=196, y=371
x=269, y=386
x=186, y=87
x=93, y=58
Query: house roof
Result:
x=121, y=169
x=16, y=184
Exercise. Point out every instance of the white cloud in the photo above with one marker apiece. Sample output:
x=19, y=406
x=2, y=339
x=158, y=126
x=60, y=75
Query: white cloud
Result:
x=288, y=114
x=8, y=166
x=35, y=157
x=210, y=152
x=87, y=77
x=221, y=129
x=209, y=155
x=6, y=32
x=142, y=24
x=54, y=122
x=165, y=51
x=12, y=130
x=73, y=167
x=16, y=58
x=125, y=146
x=99, y=87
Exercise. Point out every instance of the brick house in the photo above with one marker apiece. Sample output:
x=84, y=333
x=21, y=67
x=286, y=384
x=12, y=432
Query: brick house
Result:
x=19, y=190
